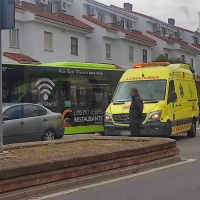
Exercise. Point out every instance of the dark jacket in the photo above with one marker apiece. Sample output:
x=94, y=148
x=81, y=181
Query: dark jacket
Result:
x=136, y=108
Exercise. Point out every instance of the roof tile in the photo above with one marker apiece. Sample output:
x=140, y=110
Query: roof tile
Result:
x=173, y=40
x=63, y=18
x=146, y=16
x=130, y=11
x=114, y=27
x=196, y=46
x=99, y=23
x=160, y=37
x=19, y=57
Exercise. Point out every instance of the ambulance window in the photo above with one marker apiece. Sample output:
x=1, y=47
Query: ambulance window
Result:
x=171, y=88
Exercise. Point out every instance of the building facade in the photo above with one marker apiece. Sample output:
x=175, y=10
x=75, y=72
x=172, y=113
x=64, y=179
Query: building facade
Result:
x=45, y=36
x=89, y=31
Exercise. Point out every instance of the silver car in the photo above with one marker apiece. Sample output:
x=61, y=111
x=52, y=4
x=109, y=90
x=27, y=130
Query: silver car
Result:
x=25, y=122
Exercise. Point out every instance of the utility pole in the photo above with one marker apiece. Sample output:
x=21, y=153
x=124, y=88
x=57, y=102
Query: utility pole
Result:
x=7, y=21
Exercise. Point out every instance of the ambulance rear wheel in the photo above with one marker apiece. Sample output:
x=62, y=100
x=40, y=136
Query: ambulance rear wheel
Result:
x=192, y=132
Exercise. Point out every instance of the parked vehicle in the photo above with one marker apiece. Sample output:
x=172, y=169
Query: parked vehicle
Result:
x=170, y=100
x=26, y=122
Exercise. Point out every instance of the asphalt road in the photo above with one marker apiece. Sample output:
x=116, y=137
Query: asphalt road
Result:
x=181, y=182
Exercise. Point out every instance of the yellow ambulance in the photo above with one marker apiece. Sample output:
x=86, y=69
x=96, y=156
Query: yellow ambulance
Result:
x=170, y=100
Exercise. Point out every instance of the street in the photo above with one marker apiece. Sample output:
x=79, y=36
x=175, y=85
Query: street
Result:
x=180, y=182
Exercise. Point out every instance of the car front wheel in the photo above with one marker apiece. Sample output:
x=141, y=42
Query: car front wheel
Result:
x=192, y=132
x=48, y=135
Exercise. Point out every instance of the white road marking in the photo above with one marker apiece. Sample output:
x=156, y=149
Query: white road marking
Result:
x=112, y=180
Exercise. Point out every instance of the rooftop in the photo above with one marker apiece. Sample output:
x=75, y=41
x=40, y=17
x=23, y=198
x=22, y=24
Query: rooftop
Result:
x=196, y=46
x=149, y=17
x=114, y=27
x=170, y=40
x=62, y=18
x=20, y=58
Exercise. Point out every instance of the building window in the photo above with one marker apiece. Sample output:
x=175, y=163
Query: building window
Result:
x=48, y=44
x=74, y=46
x=108, y=50
x=191, y=63
x=131, y=49
x=144, y=56
x=171, y=35
x=183, y=58
x=53, y=7
x=101, y=17
x=122, y=23
x=196, y=40
x=166, y=55
x=14, y=38
x=163, y=31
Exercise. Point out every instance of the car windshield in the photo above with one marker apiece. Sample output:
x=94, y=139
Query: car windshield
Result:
x=149, y=90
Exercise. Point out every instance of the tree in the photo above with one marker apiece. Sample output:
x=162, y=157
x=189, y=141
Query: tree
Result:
x=163, y=58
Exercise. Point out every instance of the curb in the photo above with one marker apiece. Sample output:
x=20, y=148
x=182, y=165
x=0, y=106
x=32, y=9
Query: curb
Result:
x=25, y=169
x=31, y=180
x=85, y=180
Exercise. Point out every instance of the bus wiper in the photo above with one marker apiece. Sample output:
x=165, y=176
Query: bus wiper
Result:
x=150, y=101
x=118, y=102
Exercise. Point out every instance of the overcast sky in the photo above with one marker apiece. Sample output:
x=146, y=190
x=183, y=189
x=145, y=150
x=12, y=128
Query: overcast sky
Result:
x=185, y=12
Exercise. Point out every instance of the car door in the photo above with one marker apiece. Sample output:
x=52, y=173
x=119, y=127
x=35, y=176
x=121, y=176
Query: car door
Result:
x=13, y=125
x=180, y=108
x=171, y=106
x=34, y=122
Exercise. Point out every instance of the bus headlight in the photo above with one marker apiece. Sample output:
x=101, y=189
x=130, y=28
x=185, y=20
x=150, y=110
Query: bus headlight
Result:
x=107, y=117
x=155, y=115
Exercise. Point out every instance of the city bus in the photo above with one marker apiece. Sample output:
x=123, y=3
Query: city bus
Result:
x=81, y=92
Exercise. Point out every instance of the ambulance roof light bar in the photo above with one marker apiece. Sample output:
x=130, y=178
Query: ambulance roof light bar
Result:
x=142, y=65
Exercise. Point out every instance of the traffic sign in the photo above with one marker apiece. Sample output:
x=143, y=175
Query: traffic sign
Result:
x=7, y=14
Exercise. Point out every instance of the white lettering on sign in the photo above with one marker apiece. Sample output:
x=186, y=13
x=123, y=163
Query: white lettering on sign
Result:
x=47, y=104
x=80, y=72
x=88, y=112
x=88, y=119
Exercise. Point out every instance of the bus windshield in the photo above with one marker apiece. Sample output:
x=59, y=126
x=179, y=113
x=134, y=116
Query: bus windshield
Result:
x=149, y=90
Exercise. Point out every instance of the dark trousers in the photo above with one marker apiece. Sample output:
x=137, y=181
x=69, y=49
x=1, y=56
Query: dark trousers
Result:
x=135, y=127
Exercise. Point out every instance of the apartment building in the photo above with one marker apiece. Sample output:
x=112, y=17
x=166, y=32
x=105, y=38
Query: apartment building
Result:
x=89, y=31
x=172, y=41
x=43, y=36
x=114, y=39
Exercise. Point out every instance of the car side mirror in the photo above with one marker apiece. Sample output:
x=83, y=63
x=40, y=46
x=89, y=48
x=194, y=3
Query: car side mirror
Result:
x=6, y=118
x=173, y=97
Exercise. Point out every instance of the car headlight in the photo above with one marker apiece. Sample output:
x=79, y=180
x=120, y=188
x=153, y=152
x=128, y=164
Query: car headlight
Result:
x=107, y=117
x=155, y=115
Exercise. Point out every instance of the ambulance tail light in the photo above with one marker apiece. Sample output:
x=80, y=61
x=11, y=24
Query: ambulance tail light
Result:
x=141, y=65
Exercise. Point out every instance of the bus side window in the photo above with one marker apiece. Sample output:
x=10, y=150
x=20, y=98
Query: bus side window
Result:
x=74, y=102
x=82, y=96
x=65, y=99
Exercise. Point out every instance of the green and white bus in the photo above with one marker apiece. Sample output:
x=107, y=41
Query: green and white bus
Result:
x=80, y=91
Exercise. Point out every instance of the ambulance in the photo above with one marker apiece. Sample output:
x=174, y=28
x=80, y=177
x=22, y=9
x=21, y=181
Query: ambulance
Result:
x=170, y=100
